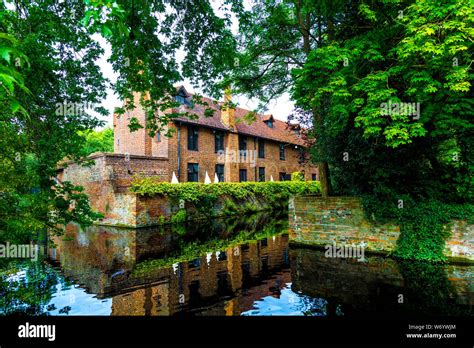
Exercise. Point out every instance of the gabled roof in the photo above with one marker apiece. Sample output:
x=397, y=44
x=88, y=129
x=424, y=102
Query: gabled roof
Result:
x=268, y=117
x=280, y=131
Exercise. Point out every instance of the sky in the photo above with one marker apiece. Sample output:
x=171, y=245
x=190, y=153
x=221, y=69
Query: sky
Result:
x=280, y=108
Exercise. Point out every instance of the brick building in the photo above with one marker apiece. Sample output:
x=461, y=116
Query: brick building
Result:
x=223, y=144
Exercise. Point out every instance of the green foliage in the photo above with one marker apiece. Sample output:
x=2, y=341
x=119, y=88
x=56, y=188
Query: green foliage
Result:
x=146, y=38
x=194, y=192
x=424, y=224
x=297, y=176
x=179, y=216
x=230, y=207
x=50, y=81
x=161, y=220
x=238, y=198
x=97, y=141
x=410, y=52
x=249, y=207
x=47, y=61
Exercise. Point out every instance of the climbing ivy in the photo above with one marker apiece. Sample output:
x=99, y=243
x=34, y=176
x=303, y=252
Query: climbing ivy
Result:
x=423, y=224
x=196, y=192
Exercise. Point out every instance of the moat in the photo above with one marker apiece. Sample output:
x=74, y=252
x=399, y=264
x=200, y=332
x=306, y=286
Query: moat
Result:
x=239, y=266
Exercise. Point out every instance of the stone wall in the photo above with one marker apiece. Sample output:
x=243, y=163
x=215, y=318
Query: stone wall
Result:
x=108, y=179
x=107, y=182
x=323, y=221
x=153, y=210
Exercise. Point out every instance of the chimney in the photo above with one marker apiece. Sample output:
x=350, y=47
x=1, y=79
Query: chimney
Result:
x=227, y=111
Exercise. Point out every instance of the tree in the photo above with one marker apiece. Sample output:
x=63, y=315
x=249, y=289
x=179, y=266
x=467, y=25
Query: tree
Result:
x=50, y=79
x=395, y=86
x=146, y=37
x=49, y=75
x=98, y=141
x=275, y=38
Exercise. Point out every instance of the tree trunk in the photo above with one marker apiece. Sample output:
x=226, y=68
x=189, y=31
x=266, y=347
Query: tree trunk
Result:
x=323, y=168
x=305, y=27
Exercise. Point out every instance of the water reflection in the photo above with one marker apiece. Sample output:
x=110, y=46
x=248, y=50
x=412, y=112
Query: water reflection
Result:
x=233, y=267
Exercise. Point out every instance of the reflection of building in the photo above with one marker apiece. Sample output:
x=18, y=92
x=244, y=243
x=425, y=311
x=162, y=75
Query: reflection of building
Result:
x=102, y=259
x=251, y=269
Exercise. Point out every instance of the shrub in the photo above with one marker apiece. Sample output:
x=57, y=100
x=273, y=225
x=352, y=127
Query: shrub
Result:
x=179, y=217
x=230, y=207
x=297, y=176
x=198, y=192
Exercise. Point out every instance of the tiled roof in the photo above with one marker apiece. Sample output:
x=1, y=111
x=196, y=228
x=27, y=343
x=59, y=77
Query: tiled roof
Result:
x=279, y=132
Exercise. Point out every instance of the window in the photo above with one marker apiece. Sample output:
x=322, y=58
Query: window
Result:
x=183, y=99
x=243, y=149
x=269, y=123
x=261, y=148
x=180, y=99
x=193, y=136
x=218, y=141
x=158, y=137
x=313, y=177
x=282, y=151
x=243, y=175
x=242, y=143
x=220, y=172
x=285, y=177
x=193, y=172
x=301, y=155
x=261, y=174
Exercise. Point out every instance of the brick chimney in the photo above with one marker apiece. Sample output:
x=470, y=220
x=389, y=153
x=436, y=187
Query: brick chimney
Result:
x=227, y=112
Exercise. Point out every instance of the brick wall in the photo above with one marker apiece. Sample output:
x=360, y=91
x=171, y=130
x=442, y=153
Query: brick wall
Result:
x=207, y=158
x=323, y=221
x=150, y=210
x=133, y=143
x=107, y=180
x=107, y=184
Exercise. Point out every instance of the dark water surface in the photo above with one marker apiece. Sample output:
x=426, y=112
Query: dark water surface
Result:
x=223, y=267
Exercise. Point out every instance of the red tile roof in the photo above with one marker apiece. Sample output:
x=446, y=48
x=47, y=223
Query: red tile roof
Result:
x=280, y=131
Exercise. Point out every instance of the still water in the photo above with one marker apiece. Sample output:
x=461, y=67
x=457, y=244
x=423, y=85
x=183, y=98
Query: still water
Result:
x=241, y=266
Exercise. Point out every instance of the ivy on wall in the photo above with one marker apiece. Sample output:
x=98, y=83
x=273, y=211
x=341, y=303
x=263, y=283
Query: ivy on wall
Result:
x=423, y=224
x=196, y=192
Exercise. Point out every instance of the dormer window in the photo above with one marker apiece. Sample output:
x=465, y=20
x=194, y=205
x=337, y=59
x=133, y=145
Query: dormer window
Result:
x=183, y=98
x=268, y=120
x=269, y=123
